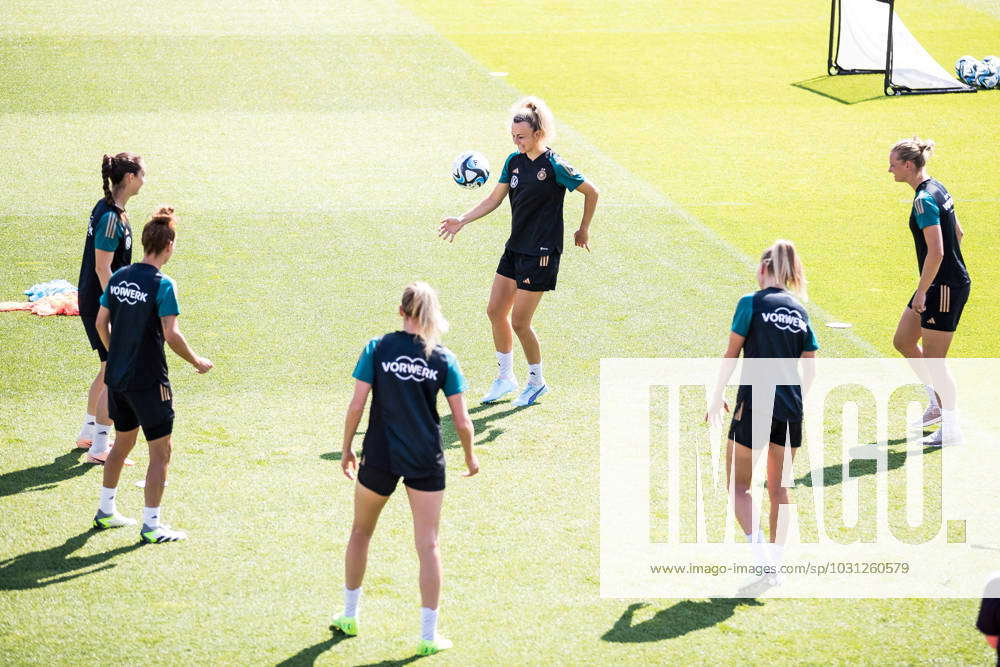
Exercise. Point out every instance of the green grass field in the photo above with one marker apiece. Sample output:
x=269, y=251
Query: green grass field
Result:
x=306, y=148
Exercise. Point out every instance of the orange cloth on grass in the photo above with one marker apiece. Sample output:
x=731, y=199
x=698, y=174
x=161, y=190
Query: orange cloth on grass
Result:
x=6, y=306
x=57, y=304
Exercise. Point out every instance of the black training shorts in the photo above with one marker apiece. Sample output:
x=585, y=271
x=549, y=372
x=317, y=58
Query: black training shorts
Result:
x=943, y=306
x=384, y=482
x=534, y=273
x=782, y=432
x=153, y=409
x=90, y=326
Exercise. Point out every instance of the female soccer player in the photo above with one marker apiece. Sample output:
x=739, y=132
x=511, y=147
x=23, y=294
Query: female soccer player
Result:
x=138, y=313
x=770, y=323
x=404, y=371
x=536, y=179
x=930, y=319
x=108, y=247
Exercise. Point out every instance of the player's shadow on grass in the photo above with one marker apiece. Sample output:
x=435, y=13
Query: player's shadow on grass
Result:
x=37, y=569
x=40, y=478
x=852, y=89
x=833, y=474
x=308, y=656
x=486, y=432
x=675, y=621
x=394, y=663
x=337, y=455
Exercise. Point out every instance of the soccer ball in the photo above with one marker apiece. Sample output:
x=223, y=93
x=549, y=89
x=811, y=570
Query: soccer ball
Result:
x=988, y=74
x=471, y=169
x=965, y=69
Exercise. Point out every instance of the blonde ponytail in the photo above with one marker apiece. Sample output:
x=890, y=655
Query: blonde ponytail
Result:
x=782, y=262
x=420, y=303
x=533, y=111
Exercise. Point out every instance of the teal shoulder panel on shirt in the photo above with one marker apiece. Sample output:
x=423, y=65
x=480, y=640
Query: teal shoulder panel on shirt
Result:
x=364, y=370
x=926, y=209
x=454, y=383
x=811, y=343
x=505, y=172
x=743, y=315
x=107, y=232
x=166, y=298
x=566, y=176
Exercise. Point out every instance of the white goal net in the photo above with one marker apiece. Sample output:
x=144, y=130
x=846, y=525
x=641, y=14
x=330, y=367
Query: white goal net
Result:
x=862, y=41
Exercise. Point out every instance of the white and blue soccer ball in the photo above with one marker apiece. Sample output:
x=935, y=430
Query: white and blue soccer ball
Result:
x=965, y=69
x=988, y=72
x=471, y=169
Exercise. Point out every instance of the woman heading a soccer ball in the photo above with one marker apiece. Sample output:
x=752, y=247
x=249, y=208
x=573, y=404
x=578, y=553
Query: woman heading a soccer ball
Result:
x=535, y=179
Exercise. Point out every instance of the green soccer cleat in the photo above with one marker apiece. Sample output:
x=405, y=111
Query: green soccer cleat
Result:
x=432, y=646
x=161, y=533
x=116, y=520
x=346, y=624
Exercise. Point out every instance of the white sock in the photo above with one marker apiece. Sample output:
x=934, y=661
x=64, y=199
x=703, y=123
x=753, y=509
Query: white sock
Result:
x=758, y=547
x=87, y=430
x=351, y=600
x=505, y=360
x=777, y=553
x=428, y=623
x=949, y=423
x=107, y=504
x=931, y=396
x=100, y=444
x=151, y=517
x=535, y=374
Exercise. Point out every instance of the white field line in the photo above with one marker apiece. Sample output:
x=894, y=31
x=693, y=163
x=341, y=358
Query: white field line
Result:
x=647, y=190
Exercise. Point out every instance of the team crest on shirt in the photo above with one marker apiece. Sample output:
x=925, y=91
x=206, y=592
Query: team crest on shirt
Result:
x=409, y=368
x=785, y=319
x=513, y=181
x=128, y=241
x=542, y=175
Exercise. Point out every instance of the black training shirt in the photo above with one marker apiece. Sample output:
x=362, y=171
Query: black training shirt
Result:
x=537, y=189
x=109, y=230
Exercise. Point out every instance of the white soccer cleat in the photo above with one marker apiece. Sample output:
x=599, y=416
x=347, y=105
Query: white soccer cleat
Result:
x=931, y=416
x=941, y=439
x=530, y=394
x=500, y=388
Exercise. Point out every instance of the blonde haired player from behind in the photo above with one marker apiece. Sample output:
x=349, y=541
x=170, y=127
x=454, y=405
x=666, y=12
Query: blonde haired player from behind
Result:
x=929, y=321
x=535, y=179
x=770, y=323
x=404, y=371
